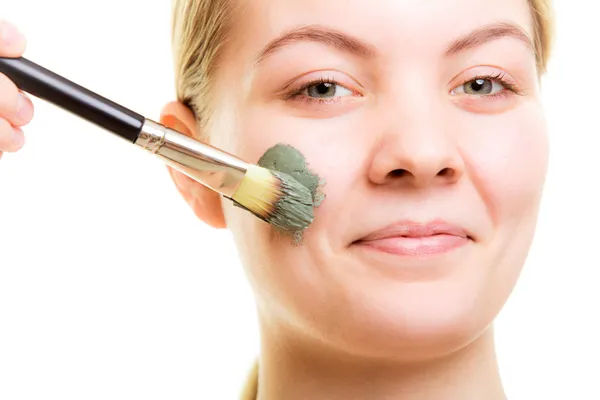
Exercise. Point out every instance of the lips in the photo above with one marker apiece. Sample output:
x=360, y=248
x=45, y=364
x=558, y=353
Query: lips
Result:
x=415, y=239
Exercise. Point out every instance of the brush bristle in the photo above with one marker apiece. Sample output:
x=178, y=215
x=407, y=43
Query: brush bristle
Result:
x=276, y=198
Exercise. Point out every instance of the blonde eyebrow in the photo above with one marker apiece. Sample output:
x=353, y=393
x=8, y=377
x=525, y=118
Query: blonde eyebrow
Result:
x=487, y=34
x=318, y=34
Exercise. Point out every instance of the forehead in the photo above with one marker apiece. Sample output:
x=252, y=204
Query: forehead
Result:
x=392, y=26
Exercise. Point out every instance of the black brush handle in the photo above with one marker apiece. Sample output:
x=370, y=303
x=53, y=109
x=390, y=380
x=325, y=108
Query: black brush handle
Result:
x=46, y=85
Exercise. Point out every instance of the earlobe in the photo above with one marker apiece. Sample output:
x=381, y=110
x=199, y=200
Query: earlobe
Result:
x=205, y=203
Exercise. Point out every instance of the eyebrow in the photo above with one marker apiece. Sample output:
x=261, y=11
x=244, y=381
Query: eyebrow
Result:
x=352, y=45
x=318, y=34
x=487, y=34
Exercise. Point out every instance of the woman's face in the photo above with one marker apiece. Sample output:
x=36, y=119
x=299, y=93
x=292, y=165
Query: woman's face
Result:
x=424, y=118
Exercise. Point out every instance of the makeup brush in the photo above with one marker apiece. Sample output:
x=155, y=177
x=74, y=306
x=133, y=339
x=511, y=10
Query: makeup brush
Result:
x=272, y=196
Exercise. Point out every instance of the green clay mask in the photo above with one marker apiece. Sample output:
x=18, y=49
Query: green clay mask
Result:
x=286, y=159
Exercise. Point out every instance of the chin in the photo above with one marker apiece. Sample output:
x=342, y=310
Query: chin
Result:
x=399, y=307
x=407, y=322
x=366, y=305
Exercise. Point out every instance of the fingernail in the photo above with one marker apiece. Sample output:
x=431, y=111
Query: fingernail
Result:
x=22, y=107
x=9, y=34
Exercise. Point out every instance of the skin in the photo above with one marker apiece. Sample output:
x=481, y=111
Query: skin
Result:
x=339, y=320
x=16, y=109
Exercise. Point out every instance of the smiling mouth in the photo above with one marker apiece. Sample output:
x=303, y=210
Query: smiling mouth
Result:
x=416, y=240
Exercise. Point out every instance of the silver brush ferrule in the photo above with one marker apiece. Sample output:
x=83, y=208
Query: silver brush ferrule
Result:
x=212, y=167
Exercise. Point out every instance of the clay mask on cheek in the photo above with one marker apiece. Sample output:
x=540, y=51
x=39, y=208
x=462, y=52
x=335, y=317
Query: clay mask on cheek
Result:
x=286, y=159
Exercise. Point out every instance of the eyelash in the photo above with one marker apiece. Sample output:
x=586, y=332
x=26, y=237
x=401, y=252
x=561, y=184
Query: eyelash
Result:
x=500, y=77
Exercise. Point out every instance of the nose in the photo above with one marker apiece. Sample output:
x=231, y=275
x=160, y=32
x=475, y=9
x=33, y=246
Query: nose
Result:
x=416, y=150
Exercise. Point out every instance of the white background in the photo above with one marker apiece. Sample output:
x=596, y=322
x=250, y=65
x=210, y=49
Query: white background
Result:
x=111, y=288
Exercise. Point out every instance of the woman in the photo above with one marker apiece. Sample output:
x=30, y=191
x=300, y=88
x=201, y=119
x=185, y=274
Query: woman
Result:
x=425, y=121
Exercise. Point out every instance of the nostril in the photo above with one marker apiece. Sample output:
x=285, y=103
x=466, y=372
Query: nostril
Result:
x=398, y=173
x=447, y=172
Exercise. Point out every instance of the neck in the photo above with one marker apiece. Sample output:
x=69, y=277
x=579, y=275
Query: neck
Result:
x=295, y=371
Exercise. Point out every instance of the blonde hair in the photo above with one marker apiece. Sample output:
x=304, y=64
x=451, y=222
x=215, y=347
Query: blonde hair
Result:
x=200, y=30
x=543, y=31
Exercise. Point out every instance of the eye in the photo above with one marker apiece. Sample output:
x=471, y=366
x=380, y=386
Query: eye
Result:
x=325, y=90
x=480, y=87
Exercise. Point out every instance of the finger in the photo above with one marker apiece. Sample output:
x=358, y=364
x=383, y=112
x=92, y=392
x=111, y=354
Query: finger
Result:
x=11, y=139
x=15, y=106
x=12, y=42
x=25, y=110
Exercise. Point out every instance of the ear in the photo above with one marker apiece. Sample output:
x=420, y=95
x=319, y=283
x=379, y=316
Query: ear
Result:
x=205, y=203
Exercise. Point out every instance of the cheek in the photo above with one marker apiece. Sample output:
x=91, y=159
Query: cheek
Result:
x=507, y=159
x=334, y=150
x=333, y=157
x=322, y=141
